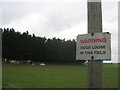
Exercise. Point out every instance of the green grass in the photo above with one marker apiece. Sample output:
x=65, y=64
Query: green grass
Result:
x=53, y=76
x=110, y=76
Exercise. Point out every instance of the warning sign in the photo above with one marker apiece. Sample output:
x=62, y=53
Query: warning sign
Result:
x=96, y=46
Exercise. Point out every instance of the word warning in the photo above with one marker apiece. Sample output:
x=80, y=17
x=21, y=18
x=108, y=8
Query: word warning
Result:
x=94, y=46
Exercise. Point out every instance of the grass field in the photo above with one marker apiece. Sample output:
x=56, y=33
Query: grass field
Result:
x=54, y=76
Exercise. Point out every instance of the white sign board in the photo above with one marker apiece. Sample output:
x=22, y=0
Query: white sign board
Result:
x=96, y=46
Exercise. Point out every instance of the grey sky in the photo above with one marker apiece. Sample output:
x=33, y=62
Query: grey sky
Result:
x=58, y=18
x=45, y=18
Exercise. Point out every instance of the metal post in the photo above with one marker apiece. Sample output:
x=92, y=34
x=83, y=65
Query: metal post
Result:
x=94, y=25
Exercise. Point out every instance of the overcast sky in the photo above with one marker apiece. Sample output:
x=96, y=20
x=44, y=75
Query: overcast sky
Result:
x=58, y=18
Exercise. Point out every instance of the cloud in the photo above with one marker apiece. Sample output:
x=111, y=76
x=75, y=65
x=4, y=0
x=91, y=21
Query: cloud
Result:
x=15, y=10
x=37, y=24
x=1, y=15
x=42, y=18
x=110, y=11
x=69, y=33
x=32, y=23
x=110, y=24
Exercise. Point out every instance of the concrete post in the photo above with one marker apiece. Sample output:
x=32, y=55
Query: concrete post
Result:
x=94, y=25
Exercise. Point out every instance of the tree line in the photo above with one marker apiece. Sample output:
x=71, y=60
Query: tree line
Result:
x=24, y=46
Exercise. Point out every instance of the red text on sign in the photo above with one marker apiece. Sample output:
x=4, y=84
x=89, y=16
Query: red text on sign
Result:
x=95, y=40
